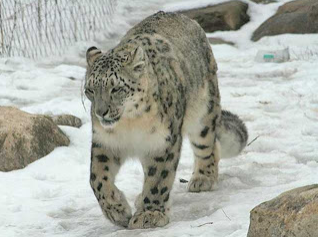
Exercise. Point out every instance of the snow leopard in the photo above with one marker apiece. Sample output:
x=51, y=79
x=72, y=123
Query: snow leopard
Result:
x=158, y=85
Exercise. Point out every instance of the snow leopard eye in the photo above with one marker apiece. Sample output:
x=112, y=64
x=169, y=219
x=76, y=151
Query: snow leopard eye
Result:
x=116, y=90
x=89, y=93
x=139, y=67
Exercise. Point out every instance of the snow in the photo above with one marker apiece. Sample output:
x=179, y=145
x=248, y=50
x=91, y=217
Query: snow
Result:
x=278, y=102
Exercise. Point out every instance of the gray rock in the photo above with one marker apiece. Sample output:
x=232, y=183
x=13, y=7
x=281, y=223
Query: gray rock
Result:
x=214, y=41
x=225, y=16
x=293, y=213
x=297, y=17
x=25, y=138
x=67, y=120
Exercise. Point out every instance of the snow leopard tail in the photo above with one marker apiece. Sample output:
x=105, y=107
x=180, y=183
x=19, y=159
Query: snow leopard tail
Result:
x=232, y=134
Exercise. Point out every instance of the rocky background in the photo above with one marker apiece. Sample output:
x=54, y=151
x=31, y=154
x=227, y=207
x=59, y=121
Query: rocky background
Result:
x=296, y=17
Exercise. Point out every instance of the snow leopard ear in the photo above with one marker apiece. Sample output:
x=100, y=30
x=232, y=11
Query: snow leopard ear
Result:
x=92, y=54
x=138, y=59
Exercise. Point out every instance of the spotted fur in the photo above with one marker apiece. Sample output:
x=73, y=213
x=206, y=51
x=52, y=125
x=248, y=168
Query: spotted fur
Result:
x=156, y=86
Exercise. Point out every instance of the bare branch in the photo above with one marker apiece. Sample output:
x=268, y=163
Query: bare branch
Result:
x=253, y=140
x=226, y=215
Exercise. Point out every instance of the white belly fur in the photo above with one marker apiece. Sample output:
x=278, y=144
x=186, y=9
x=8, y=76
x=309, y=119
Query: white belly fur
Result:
x=133, y=137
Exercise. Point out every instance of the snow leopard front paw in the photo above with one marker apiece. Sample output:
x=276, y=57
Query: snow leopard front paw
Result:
x=199, y=183
x=148, y=219
x=116, y=208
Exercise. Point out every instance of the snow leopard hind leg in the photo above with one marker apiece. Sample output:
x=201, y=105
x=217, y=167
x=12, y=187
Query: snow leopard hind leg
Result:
x=203, y=138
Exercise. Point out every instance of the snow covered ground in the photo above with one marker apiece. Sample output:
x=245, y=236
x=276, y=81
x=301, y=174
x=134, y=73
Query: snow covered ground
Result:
x=278, y=102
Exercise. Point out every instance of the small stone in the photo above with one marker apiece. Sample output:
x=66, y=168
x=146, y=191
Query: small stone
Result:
x=183, y=181
x=264, y=1
x=215, y=41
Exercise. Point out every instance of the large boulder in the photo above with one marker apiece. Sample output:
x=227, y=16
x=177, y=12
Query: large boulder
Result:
x=297, y=17
x=293, y=213
x=25, y=138
x=225, y=16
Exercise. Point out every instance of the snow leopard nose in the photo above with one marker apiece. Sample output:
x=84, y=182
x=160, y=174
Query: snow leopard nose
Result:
x=102, y=112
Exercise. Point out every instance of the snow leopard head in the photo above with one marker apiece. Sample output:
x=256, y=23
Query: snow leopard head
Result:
x=116, y=83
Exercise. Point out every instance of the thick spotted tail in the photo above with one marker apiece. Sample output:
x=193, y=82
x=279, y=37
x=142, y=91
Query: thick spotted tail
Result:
x=232, y=135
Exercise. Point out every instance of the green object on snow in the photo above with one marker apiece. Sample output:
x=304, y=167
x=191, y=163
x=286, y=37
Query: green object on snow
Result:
x=268, y=56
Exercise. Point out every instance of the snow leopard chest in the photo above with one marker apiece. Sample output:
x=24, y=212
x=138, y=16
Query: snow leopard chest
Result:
x=133, y=138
